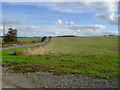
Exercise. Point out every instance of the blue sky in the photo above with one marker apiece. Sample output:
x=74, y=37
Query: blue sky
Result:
x=81, y=19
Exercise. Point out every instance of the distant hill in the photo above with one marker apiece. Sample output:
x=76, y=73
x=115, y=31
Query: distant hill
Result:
x=67, y=36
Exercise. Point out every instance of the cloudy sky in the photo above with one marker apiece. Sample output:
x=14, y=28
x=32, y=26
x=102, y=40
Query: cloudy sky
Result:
x=61, y=18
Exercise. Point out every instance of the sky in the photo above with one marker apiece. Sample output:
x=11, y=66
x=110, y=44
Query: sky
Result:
x=60, y=18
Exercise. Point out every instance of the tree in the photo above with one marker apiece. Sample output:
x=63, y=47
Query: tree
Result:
x=11, y=36
x=43, y=38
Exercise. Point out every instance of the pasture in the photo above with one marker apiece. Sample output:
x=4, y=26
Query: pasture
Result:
x=95, y=57
x=85, y=45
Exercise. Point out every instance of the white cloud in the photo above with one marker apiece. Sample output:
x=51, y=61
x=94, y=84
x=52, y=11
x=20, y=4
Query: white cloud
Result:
x=13, y=21
x=65, y=7
x=81, y=30
x=56, y=32
x=91, y=32
x=1, y=30
x=18, y=1
x=59, y=22
x=109, y=18
x=22, y=31
x=31, y=28
x=70, y=23
x=1, y=27
x=26, y=31
x=87, y=27
x=109, y=32
x=44, y=26
x=109, y=9
x=62, y=28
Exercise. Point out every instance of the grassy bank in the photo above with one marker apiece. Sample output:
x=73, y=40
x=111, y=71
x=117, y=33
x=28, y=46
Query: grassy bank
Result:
x=90, y=56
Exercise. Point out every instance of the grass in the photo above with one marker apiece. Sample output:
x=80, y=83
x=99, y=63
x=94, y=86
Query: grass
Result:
x=86, y=45
x=95, y=57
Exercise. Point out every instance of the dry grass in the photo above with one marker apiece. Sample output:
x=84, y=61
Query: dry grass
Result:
x=41, y=50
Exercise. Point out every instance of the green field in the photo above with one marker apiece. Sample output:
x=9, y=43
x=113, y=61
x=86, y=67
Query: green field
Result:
x=96, y=57
x=86, y=45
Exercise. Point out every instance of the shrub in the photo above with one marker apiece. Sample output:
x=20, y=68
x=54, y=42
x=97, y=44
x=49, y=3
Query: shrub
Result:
x=43, y=39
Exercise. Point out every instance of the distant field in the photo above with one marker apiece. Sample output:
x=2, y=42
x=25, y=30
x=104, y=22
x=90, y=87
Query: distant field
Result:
x=91, y=56
x=85, y=45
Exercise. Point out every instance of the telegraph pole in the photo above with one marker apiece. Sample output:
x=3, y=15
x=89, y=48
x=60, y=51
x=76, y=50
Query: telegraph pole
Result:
x=3, y=29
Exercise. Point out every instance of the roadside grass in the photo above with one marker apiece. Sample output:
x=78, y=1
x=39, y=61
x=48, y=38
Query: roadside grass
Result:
x=99, y=58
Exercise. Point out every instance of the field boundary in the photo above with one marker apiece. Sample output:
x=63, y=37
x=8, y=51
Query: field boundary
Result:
x=47, y=40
